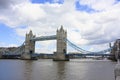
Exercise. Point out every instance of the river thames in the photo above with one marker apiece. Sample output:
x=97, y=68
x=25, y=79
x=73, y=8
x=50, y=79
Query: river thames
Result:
x=46, y=69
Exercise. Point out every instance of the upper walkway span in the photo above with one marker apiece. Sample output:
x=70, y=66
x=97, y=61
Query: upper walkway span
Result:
x=42, y=38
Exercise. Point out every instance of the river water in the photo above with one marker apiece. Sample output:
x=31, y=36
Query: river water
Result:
x=46, y=69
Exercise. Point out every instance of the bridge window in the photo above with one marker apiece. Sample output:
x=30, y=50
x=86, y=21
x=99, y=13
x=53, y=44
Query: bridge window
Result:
x=31, y=51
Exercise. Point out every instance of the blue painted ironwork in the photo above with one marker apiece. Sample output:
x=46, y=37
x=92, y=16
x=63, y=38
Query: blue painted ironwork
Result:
x=76, y=47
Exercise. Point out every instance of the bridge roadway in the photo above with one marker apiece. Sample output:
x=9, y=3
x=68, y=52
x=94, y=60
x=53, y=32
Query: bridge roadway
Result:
x=12, y=56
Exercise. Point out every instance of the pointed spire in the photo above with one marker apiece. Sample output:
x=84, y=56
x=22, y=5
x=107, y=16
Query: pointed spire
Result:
x=61, y=29
x=30, y=32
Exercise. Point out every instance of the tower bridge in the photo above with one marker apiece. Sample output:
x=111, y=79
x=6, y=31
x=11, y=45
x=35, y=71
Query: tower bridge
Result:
x=60, y=36
x=27, y=49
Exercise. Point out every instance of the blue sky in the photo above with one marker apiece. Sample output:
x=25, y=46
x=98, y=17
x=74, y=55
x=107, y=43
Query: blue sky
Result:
x=9, y=36
x=89, y=21
x=85, y=8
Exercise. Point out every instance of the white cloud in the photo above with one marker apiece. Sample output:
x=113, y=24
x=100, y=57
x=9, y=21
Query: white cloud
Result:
x=45, y=46
x=97, y=48
x=44, y=19
x=29, y=12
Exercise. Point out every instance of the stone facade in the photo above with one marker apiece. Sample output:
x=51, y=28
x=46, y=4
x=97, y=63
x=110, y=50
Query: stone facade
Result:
x=60, y=55
x=29, y=46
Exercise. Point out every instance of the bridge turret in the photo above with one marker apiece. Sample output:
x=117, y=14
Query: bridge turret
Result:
x=29, y=46
x=60, y=55
x=30, y=33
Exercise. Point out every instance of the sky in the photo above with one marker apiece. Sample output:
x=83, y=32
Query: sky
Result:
x=90, y=24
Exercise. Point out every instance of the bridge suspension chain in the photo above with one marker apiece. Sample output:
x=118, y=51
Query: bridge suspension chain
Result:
x=76, y=47
x=19, y=50
x=85, y=51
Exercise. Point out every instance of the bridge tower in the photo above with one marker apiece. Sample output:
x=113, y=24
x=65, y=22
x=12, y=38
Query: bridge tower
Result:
x=29, y=46
x=60, y=55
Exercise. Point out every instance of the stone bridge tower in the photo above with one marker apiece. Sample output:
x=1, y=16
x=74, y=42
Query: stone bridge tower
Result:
x=29, y=46
x=60, y=55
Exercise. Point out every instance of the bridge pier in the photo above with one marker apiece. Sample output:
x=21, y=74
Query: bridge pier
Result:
x=60, y=55
x=29, y=47
x=26, y=56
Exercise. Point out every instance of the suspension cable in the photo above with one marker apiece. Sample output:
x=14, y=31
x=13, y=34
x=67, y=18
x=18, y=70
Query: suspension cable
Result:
x=85, y=51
